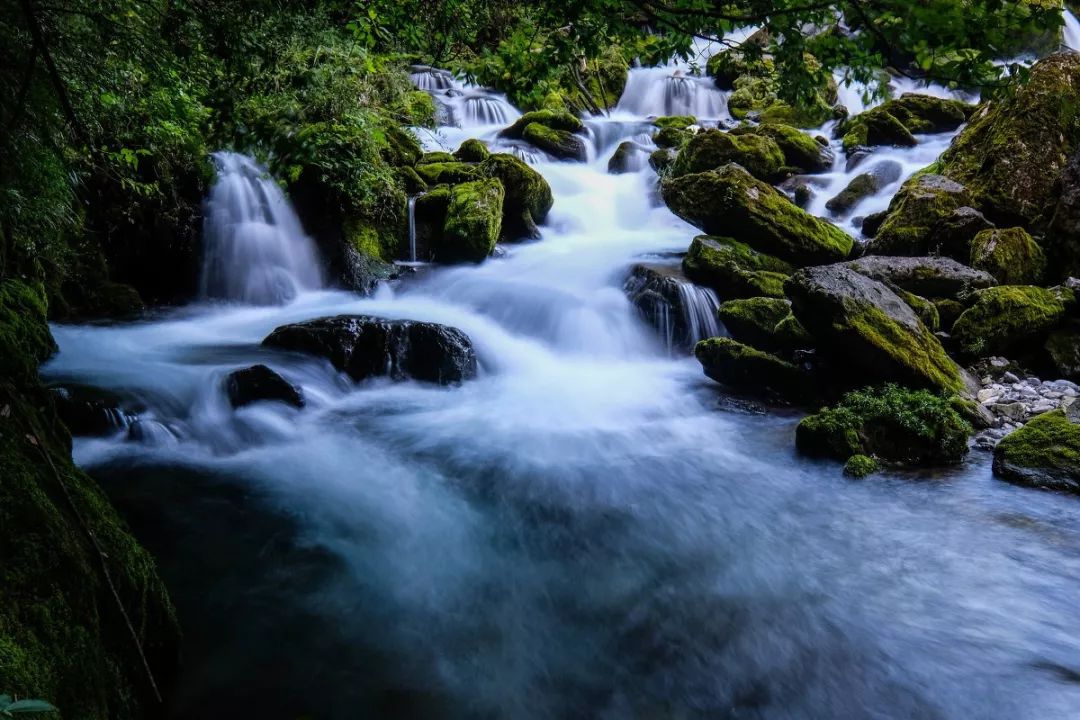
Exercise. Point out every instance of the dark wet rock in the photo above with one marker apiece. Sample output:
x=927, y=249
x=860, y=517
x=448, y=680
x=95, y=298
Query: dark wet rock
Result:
x=1063, y=347
x=364, y=347
x=869, y=330
x=765, y=323
x=625, y=158
x=733, y=269
x=1063, y=238
x=1044, y=453
x=749, y=370
x=932, y=277
x=682, y=313
x=260, y=383
x=561, y=144
x=88, y=413
x=863, y=186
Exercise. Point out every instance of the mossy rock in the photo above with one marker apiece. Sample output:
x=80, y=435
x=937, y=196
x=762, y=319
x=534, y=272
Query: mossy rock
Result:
x=749, y=370
x=620, y=161
x=473, y=221
x=430, y=214
x=670, y=137
x=661, y=161
x=438, y=156
x=711, y=149
x=25, y=340
x=861, y=187
x=1011, y=155
x=1012, y=256
x=914, y=427
x=926, y=310
x=1044, y=453
x=756, y=96
x=931, y=277
x=677, y=122
x=734, y=270
x=729, y=201
x=561, y=144
x=896, y=122
x=798, y=148
x=447, y=173
x=528, y=196
x=411, y=180
x=727, y=66
x=765, y=323
x=552, y=119
x=1005, y=317
x=473, y=151
x=917, y=217
x=869, y=330
x=860, y=466
x=948, y=311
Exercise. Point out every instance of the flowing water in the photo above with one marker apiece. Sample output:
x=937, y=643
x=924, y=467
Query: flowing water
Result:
x=587, y=530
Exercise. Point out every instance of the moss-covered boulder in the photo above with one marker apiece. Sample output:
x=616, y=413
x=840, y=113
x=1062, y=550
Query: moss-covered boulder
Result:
x=749, y=370
x=472, y=151
x=896, y=122
x=436, y=156
x=729, y=201
x=661, y=161
x=919, y=220
x=932, y=277
x=756, y=97
x=711, y=149
x=63, y=633
x=1011, y=155
x=447, y=173
x=678, y=122
x=561, y=144
x=1044, y=453
x=473, y=221
x=553, y=119
x=800, y=151
x=733, y=269
x=1012, y=256
x=671, y=138
x=915, y=427
x=765, y=323
x=528, y=196
x=860, y=466
x=1005, y=317
x=869, y=330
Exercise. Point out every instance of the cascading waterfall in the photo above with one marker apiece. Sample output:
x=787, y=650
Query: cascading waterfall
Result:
x=412, y=227
x=578, y=532
x=255, y=248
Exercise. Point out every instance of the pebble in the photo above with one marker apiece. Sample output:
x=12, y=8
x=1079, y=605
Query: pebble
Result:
x=1014, y=400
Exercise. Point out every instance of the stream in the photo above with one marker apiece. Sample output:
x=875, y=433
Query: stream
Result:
x=589, y=529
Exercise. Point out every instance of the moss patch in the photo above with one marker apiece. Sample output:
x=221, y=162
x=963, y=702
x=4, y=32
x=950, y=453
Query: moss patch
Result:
x=747, y=369
x=711, y=149
x=473, y=221
x=733, y=269
x=1012, y=256
x=860, y=466
x=1003, y=317
x=1044, y=453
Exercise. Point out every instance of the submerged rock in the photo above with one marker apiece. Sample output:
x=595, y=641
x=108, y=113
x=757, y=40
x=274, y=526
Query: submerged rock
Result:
x=1044, y=453
x=260, y=383
x=1004, y=317
x=561, y=144
x=733, y=269
x=731, y=202
x=864, y=186
x=869, y=330
x=363, y=347
x=89, y=413
x=932, y=277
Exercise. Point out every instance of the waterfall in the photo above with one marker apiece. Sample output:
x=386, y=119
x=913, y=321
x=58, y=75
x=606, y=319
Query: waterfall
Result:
x=699, y=307
x=671, y=91
x=1071, y=35
x=255, y=250
x=412, y=227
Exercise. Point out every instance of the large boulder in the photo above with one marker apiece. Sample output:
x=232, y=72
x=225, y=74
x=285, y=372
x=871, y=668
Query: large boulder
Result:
x=915, y=427
x=731, y=202
x=365, y=347
x=711, y=149
x=1044, y=453
x=1011, y=255
x=801, y=151
x=554, y=119
x=932, y=277
x=733, y=269
x=259, y=383
x=925, y=218
x=561, y=144
x=527, y=199
x=749, y=370
x=765, y=323
x=1005, y=317
x=1011, y=155
x=473, y=221
x=897, y=121
x=869, y=330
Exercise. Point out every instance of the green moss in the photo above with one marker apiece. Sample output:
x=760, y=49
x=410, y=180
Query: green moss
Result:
x=472, y=150
x=25, y=341
x=528, y=196
x=750, y=370
x=447, y=173
x=1043, y=453
x=860, y=188
x=436, y=157
x=799, y=149
x=896, y=121
x=860, y=466
x=729, y=201
x=419, y=109
x=1012, y=153
x=677, y=122
x=552, y=119
x=918, y=351
x=473, y=221
x=1012, y=256
x=756, y=94
x=948, y=311
x=1003, y=317
x=916, y=427
x=925, y=309
x=562, y=144
x=711, y=149
x=922, y=206
x=670, y=137
x=733, y=269
x=765, y=323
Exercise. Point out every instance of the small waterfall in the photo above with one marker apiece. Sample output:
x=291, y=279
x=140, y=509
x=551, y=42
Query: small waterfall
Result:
x=671, y=91
x=430, y=79
x=412, y=227
x=255, y=249
x=1071, y=35
x=486, y=110
x=683, y=313
x=699, y=310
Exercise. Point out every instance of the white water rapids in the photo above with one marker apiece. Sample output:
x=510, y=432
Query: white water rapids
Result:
x=580, y=532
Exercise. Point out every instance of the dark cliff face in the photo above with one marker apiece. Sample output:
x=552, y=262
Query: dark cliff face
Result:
x=81, y=603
